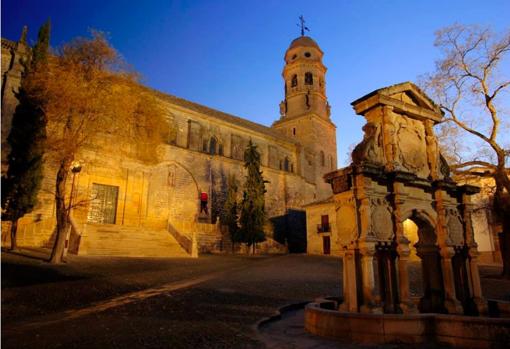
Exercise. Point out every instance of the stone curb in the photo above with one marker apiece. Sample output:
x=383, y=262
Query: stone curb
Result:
x=278, y=314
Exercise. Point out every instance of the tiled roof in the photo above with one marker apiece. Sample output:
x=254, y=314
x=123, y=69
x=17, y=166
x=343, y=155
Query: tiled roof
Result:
x=229, y=118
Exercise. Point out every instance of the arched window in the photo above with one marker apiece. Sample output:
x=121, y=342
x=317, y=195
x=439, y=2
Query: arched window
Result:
x=286, y=164
x=308, y=78
x=220, y=149
x=293, y=82
x=323, y=159
x=212, y=146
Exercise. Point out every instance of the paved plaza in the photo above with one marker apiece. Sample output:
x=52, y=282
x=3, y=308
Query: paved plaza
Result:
x=209, y=302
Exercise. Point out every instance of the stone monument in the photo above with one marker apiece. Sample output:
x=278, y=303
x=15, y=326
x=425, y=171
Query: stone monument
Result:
x=397, y=180
x=397, y=173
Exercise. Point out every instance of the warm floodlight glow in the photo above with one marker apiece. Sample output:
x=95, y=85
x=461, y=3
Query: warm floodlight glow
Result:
x=411, y=233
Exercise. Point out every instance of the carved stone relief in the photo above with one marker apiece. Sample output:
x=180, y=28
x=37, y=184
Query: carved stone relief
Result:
x=411, y=142
x=369, y=150
x=346, y=218
x=382, y=224
x=455, y=227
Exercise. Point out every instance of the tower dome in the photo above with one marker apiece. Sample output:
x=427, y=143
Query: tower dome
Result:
x=303, y=41
x=303, y=47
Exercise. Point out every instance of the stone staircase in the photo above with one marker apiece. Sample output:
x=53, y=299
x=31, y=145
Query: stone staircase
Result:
x=112, y=240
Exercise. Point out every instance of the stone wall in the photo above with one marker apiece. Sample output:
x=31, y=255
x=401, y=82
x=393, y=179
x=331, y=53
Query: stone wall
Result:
x=13, y=55
x=166, y=195
x=315, y=237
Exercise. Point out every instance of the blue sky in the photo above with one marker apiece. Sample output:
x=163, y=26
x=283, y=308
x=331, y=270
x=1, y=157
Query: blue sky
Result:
x=228, y=55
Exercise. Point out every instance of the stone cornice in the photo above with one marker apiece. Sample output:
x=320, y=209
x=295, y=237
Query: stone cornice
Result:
x=286, y=119
x=399, y=106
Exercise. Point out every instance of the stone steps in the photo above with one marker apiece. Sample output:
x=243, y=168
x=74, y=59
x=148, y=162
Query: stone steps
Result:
x=100, y=240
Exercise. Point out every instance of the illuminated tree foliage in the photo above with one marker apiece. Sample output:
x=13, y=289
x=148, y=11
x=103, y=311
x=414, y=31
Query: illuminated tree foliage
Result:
x=87, y=94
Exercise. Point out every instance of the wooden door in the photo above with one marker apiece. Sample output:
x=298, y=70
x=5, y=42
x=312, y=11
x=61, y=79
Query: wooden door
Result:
x=326, y=244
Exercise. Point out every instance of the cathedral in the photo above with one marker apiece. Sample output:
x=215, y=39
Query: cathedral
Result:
x=132, y=209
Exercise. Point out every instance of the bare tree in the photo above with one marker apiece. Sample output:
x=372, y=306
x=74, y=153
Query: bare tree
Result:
x=470, y=82
x=88, y=94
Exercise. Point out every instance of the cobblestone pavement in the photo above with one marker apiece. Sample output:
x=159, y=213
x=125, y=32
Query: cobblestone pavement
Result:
x=210, y=302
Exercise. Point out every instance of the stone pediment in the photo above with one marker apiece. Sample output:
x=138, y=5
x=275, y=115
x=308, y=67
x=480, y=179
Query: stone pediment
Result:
x=405, y=97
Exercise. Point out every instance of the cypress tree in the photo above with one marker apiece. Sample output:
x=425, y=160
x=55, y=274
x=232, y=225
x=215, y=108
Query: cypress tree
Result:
x=252, y=207
x=23, y=180
x=231, y=209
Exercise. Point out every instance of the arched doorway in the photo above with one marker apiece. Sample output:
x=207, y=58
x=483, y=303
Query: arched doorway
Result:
x=426, y=277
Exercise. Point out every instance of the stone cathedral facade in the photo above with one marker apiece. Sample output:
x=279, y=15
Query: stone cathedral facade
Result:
x=138, y=210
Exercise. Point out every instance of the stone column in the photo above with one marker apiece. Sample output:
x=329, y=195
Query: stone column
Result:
x=446, y=252
x=406, y=304
x=472, y=262
x=432, y=149
x=371, y=298
x=351, y=302
x=388, y=136
x=474, y=276
x=452, y=305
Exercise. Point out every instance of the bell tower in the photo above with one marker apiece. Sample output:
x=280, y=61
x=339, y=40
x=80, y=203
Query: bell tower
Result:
x=305, y=90
x=305, y=112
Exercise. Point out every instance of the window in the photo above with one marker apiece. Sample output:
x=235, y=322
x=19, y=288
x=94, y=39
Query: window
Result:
x=331, y=165
x=308, y=54
x=294, y=57
x=212, y=146
x=220, y=149
x=324, y=226
x=294, y=131
x=286, y=164
x=293, y=83
x=103, y=206
x=194, y=138
x=292, y=168
x=323, y=160
x=308, y=78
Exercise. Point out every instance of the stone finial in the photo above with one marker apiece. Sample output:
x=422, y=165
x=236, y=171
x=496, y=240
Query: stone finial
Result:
x=23, y=38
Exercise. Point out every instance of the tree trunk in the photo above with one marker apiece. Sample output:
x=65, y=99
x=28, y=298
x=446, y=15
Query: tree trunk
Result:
x=61, y=213
x=14, y=228
x=502, y=209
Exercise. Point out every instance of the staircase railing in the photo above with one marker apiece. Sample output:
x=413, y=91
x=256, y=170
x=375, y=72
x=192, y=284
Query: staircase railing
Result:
x=186, y=242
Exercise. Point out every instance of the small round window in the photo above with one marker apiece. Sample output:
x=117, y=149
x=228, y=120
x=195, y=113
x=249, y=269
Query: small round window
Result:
x=308, y=54
x=294, y=57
